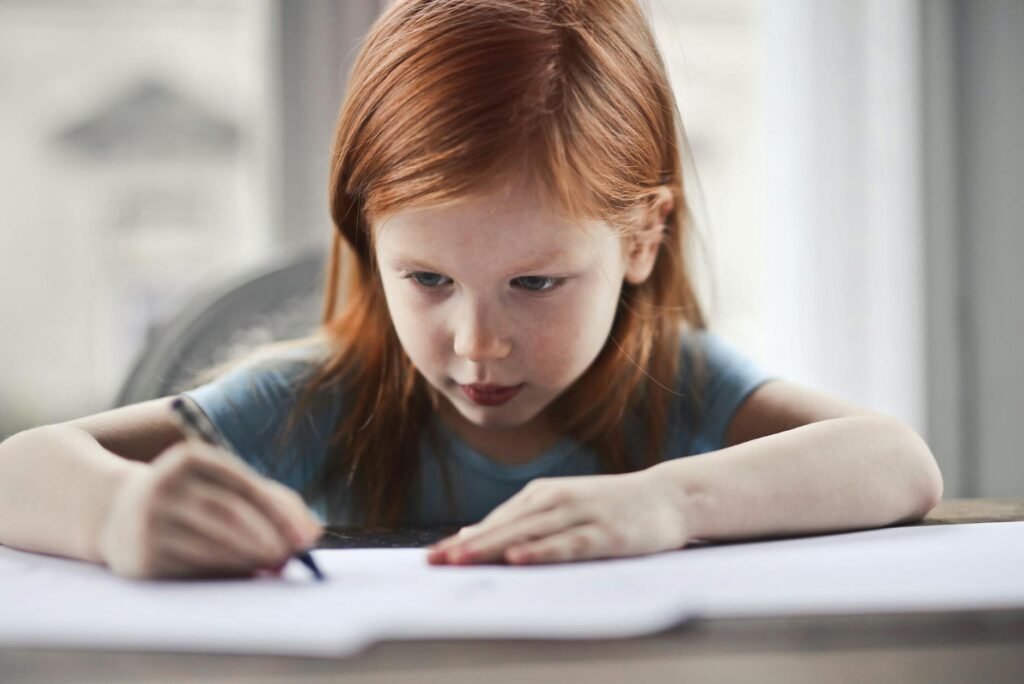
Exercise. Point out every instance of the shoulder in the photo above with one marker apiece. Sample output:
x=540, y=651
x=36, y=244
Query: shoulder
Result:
x=254, y=405
x=270, y=374
x=714, y=378
x=713, y=366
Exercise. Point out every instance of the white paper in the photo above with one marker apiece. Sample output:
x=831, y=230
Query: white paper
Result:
x=375, y=594
x=900, y=569
x=370, y=594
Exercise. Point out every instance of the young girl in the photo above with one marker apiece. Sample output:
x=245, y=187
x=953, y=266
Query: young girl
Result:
x=519, y=348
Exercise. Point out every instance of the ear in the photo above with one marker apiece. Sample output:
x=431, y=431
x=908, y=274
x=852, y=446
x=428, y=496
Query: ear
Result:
x=642, y=246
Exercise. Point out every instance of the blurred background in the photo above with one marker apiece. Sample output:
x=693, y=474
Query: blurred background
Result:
x=857, y=173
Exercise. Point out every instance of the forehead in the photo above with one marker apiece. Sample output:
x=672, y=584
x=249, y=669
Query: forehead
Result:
x=508, y=225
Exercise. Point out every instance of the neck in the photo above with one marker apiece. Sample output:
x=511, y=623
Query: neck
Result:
x=509, y=446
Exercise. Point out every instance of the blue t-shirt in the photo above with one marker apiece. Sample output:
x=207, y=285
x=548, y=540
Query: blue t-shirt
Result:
x=250, y=404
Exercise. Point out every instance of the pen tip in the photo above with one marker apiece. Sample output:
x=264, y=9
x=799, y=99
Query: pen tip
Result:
x=308, y=561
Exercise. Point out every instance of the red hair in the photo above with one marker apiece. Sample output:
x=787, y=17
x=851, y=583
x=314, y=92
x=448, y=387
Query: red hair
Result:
x=445, y=100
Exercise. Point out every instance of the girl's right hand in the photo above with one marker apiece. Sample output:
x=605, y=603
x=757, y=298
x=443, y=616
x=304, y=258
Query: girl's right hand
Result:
x=197, y=511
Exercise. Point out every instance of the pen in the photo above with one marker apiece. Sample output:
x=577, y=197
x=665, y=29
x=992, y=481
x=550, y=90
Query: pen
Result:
x=194, y=423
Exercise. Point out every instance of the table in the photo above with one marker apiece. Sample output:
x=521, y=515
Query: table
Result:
x=982, y=646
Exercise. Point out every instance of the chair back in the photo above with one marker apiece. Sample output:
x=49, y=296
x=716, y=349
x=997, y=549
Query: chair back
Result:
x=277, y=300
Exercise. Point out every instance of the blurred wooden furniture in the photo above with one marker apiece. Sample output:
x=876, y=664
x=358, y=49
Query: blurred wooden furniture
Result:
x=983, y=646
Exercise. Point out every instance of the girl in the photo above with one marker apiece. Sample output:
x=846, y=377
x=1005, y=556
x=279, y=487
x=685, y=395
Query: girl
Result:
x=519, y=348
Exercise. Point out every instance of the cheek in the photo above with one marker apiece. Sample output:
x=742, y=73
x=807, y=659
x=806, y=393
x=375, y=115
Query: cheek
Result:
x=419, y=335
x=568, y=338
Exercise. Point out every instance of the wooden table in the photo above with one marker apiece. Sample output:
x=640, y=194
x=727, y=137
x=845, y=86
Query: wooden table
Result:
x=976, y=646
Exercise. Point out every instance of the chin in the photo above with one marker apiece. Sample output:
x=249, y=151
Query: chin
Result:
x=491, y=418
x=507, y=416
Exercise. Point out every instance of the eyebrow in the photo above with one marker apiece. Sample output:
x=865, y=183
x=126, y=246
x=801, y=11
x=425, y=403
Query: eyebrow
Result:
x=407, y=263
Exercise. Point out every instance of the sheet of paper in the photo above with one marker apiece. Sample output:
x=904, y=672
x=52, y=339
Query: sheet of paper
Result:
x=370, y=594
x=900, y=569
x=392, y=593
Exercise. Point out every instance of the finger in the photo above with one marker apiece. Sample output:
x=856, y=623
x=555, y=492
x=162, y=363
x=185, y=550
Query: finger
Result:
x=189, y=554
x=520, y=505
x=219, y=467
x=229, y=520
x=584, y=542
x=511, y=510
x=167, y=562
x=526, y=502
x=490, y=545
x=451, y=540
x=177, y=569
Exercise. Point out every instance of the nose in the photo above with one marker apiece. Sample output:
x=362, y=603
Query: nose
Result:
x=479, y=336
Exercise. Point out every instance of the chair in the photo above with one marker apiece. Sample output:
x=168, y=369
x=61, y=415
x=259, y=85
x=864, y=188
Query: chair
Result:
x=277, y=300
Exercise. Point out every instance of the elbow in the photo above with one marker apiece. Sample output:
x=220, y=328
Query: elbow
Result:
x=923, y=481
x=14, y=443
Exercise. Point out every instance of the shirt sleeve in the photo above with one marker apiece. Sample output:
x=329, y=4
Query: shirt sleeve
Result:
x=250, y=405
x=715, y=379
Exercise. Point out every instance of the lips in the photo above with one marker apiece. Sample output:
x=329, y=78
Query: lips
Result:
x=490, y=395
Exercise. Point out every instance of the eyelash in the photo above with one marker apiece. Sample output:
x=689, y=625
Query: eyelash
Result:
x=553, y=282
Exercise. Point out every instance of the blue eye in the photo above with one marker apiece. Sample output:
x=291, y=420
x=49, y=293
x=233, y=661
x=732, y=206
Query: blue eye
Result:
x=428, y=280
x=533, y=284
x=539, y=283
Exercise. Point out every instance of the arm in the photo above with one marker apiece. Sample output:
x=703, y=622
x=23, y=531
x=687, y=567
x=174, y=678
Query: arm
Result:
x=122, y=489
x=796, y=461
x=57, y=482
x=802, y=462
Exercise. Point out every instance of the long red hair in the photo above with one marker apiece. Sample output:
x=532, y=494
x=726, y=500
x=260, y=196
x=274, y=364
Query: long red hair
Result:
x=445, y=99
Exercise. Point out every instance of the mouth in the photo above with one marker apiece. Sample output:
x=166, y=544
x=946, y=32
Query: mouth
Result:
x=490, y=395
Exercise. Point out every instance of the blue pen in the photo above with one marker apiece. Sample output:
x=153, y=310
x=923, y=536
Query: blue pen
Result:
x=194, y=423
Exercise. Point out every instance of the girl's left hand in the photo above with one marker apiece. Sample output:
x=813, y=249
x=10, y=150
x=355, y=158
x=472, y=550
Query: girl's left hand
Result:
x=573, y=518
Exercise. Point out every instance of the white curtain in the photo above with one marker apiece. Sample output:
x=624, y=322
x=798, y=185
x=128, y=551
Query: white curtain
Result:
x=843, y=305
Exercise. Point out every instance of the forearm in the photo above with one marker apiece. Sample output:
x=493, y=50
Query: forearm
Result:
x=845, y=473
x=56, y=485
